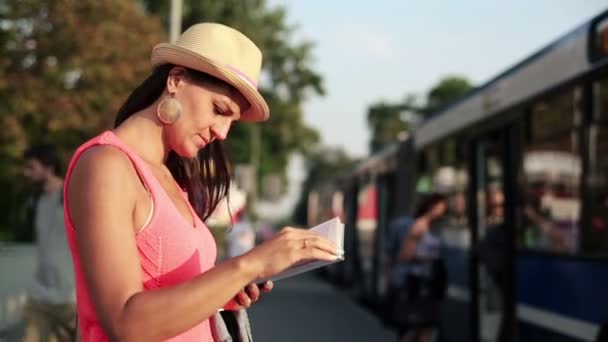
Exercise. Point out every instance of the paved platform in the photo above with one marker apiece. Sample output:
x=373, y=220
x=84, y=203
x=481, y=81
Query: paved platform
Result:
x=305, y=308
x=302, y=308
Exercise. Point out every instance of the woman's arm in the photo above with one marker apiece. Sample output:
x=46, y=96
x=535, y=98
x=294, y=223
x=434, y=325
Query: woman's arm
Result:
x=408, y=247
x=102, y=198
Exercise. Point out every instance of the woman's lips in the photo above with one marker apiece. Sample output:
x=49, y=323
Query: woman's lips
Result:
x=202, y=141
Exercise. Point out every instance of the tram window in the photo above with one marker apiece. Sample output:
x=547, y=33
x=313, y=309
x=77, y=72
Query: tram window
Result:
x=555, y=115
x=428, y=163
x=600, y=112
x=599, y=48
x=450, y=178
x=449, y=152
x=442, y=169
x=596, y=236
x=367, y=219
x=457, y=201
x=433, y=157
x=551, y=178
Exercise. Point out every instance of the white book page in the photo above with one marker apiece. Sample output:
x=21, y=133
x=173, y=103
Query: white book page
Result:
x=333, y=230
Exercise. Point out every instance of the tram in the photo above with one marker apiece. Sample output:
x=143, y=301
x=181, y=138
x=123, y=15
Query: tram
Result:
x=527, y=151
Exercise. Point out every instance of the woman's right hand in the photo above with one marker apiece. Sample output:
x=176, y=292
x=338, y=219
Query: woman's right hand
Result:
x=288, y=247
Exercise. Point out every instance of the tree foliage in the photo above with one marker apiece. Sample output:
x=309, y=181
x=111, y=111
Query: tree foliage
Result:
x=67, y=65
x=387, y=120
x=65, y=68
x=446, y=91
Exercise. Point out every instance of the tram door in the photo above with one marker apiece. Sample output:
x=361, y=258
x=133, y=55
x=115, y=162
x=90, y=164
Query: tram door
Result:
x=492, y=280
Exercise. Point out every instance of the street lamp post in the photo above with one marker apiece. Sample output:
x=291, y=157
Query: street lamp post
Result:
x=175, y=20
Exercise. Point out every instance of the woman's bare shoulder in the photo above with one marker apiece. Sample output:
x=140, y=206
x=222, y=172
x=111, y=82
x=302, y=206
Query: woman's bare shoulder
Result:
x=103, y=167
x=103, y=159
x=101, y=191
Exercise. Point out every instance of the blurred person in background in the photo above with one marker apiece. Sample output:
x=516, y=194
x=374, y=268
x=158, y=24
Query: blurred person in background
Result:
x=420, y=271
x=395, y=271
x=492, y=252
x=263, y=232
x=397, y=231
x=458, y=217
x=541, y=232
x=136, y=198
x=50, y=312
x=496, y=209
x=241, y=237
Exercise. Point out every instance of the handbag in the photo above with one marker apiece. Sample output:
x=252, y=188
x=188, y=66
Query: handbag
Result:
x=231, y=326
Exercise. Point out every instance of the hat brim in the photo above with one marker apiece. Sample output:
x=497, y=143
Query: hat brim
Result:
x=170, y=53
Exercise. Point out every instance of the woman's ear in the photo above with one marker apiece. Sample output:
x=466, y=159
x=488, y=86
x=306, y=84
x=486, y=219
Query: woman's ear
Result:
x=175, y=78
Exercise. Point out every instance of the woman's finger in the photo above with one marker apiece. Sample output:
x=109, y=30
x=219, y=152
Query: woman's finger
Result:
x=299, y=234
x=319, y=254
x=253, y=292
x=321, y=243
x=267, y=286
x=243, y=299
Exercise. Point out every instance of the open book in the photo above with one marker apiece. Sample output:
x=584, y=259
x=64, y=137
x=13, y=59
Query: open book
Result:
x=333, y=230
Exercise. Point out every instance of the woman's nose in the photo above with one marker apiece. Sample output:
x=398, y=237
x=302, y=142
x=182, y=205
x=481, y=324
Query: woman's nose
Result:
x=221, y=128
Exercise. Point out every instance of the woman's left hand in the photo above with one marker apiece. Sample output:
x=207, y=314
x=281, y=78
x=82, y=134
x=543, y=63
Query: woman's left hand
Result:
x=247, y=296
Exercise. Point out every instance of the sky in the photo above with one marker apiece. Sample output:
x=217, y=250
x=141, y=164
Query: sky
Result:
x=371, y=51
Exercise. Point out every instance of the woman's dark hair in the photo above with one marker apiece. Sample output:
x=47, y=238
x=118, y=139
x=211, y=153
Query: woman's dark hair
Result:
x=206, y=178
x=427, y=203
x=46, y=154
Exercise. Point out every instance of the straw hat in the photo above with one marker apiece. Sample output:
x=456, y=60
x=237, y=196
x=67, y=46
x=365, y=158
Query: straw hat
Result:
x=222, y=52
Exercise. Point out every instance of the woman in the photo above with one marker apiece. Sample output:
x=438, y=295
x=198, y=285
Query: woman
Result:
x=422, y=273
x=136, y=198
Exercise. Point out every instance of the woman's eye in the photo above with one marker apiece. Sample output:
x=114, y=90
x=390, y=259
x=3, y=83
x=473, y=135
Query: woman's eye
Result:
x=217, y=110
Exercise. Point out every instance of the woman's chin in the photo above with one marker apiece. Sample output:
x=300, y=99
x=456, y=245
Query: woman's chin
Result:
x=190, y=152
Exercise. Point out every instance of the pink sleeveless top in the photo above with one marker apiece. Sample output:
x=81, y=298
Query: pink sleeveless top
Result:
x=171, y=251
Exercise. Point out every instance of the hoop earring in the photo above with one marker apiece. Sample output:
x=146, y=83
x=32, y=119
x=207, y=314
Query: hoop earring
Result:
x=169, y=110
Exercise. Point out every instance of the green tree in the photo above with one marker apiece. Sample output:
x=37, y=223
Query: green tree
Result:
x=387, y=120
x=287, y=79
x=450, y=88
x=65, y=68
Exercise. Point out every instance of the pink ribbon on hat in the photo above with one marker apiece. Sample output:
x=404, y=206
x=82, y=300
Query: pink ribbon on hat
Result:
x=244, y=76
